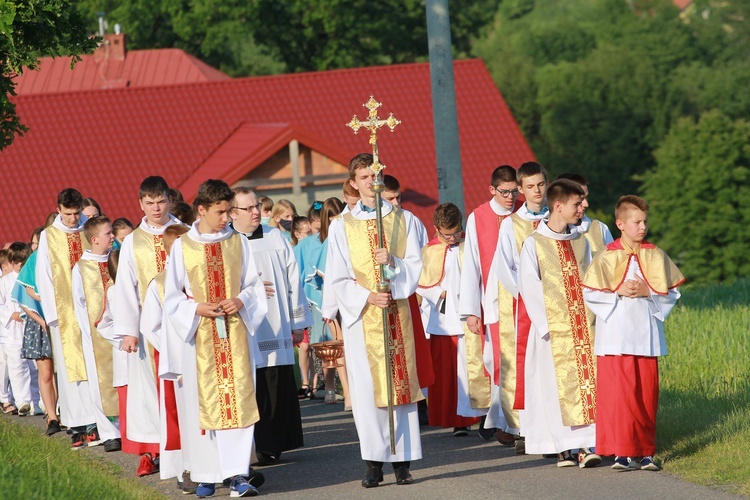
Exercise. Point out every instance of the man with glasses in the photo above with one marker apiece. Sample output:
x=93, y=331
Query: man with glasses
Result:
x=280, y=425
x=482, y=229
x=532, y=181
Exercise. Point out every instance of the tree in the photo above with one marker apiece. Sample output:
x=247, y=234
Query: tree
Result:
x=29, y=28
x=699, y=193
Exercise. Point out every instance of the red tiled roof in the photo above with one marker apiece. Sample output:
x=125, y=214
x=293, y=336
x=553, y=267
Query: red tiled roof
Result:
x=139, y=68
x=105, y=142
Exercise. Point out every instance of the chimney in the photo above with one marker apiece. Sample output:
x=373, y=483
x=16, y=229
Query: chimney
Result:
x=112, y=47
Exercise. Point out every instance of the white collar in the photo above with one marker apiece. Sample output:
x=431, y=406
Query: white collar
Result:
x=199, y=237
x=544, y=230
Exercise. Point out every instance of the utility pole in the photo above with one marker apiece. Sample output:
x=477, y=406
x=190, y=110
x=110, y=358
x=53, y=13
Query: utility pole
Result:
x=447, y=147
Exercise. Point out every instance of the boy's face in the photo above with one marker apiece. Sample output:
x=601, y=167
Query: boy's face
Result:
x=69, y=216
x=122, y=232
x=449, y=235
x=362, y=181
x=215, y=217
x=505, y=194
x=634, y=225
x=571, y=210
x=104, y=237
x=534, y=188
x=392, y=197
x=156, y=208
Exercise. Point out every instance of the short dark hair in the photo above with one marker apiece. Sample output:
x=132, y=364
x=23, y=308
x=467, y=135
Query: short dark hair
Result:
x=561, y=190
x=362, y=160
x=211, y=192
x=121, y=223
x=577, y=178
x=628, y=202
x=70, y=198
x=503, y=173
x=112, y=261
x=153, y=186
x=91, y=226
x=447, y=216
x=391, y=183
x=175, y=195
x=18, y=252
x=529, y=169
x=184, y=212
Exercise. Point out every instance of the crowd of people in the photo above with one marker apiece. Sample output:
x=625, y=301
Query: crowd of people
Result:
x=175, y=339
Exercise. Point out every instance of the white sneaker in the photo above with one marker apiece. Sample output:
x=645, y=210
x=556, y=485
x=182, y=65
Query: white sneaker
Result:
x=24, y=410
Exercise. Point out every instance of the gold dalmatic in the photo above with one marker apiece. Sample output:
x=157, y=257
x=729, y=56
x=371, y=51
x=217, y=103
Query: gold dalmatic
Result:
x=433, y=271
x=571, y=330
x=595, y=238
x=96, y=280
x=522, y=229
x=225, y=379
x=362, y=238
x=150, y=259
x=65, y=249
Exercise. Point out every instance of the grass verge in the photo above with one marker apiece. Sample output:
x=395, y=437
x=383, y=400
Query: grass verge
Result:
x=35, y=466
x=703, y=428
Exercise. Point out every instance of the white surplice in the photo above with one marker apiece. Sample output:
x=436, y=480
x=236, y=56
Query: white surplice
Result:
x=119, y=357
x=371, y=421
x=152, y=329
x=76, y=408
x=477, y=298
x=215, y=454
x=107, y=429
x=542, y=424
x=633, y=326
x=287, y=309
x=143, y=402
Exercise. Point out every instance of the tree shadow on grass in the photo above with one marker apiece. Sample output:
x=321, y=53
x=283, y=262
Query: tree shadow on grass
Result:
x=688, y=422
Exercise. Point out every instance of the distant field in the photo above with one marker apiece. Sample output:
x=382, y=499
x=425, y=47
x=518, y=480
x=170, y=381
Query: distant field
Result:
x=704, y=412
x=34, y=466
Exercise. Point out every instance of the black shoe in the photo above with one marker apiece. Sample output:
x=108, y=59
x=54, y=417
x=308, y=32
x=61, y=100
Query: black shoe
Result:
x=256, y=479
x=373, y=477
x=113, y=444
x=460, y=431
x=486, y=434
x=265, y=459
x=403, y=476
x=53, y=427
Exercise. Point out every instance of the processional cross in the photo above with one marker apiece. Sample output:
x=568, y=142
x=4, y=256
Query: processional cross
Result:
x=373, y=123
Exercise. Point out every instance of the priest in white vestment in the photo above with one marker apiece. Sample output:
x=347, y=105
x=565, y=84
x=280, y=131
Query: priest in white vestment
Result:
x=280, y=425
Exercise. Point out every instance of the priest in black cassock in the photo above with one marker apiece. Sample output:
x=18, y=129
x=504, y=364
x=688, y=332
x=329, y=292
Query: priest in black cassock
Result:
x=280, y=425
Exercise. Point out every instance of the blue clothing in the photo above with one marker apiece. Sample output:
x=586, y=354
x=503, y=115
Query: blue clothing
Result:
x=308, y=253
x=27, y=278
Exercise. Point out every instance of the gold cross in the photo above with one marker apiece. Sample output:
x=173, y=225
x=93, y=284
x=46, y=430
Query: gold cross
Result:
x=373, y=123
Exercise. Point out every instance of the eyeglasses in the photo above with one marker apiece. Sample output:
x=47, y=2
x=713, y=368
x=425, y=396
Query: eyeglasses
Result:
x=256, y=208
x=506, y=192
x=452, y=236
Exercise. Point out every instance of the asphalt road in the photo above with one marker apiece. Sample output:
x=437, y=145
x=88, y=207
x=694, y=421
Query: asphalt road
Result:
x=329, y=466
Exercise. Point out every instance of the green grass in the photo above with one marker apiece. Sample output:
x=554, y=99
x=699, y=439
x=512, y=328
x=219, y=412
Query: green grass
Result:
x=703, y=428
x=35, y=466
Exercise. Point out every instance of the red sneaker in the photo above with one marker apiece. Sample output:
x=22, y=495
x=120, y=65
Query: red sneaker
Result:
x=147, y=466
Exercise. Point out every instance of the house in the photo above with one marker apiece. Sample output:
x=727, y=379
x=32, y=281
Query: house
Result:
x=286, y=136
